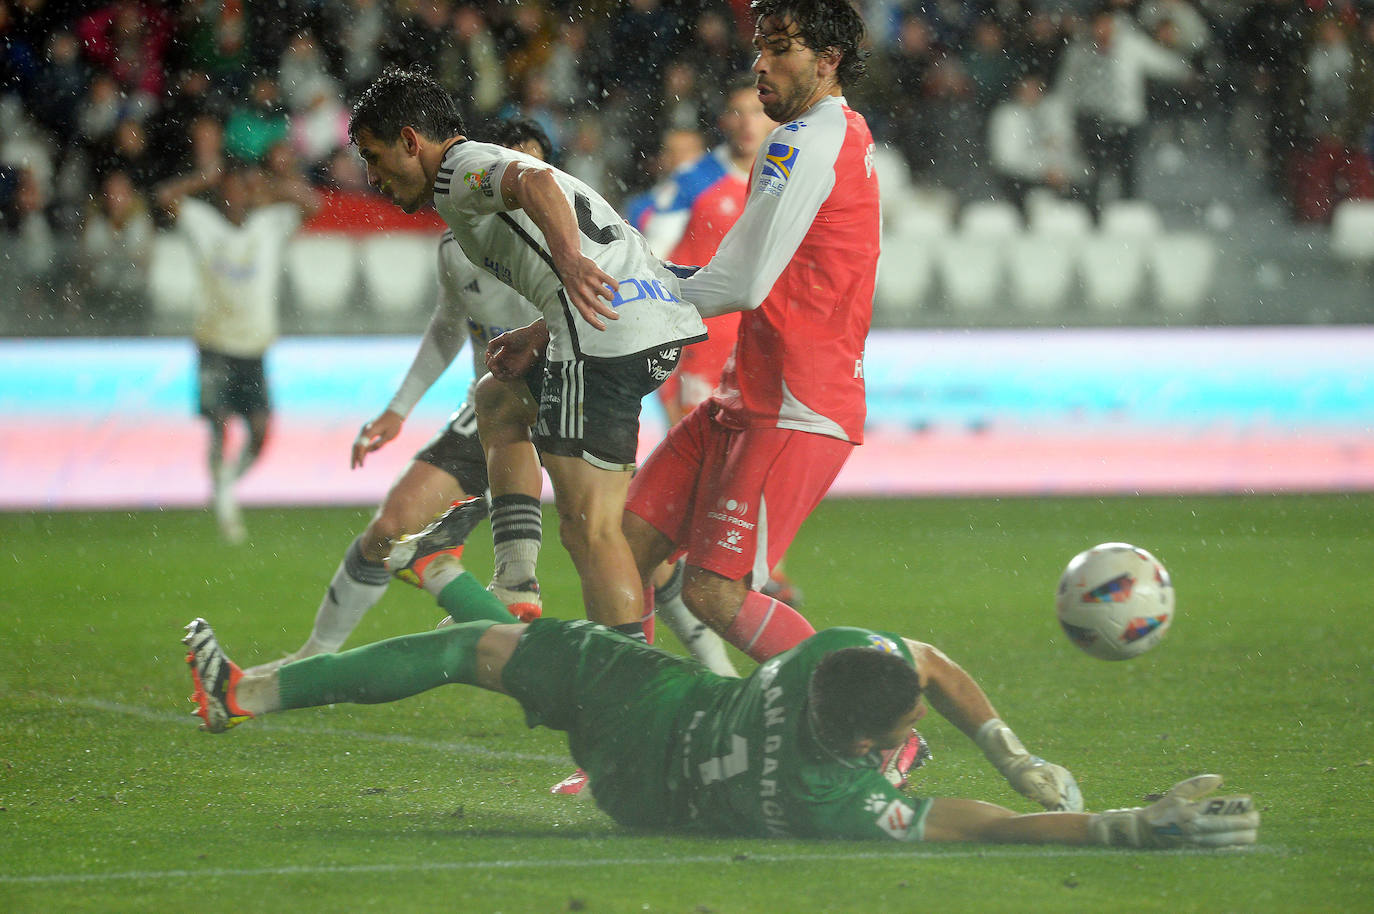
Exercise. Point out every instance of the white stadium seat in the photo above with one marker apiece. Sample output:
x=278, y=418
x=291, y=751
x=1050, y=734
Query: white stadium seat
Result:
x=321, y=271
x=916, y=214
x=1183, y=265
x=894, y=174
x=1352, y=231
x=990, y=219
x=1066, y=220
x=400, y=271
x=971, y=270
x=905, y=274
x=174, y=283
x=1040, y=271
x=1113, y=271
x=1137, y=219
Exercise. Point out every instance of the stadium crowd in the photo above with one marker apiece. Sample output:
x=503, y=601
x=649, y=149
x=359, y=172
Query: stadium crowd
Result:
x=102, y=100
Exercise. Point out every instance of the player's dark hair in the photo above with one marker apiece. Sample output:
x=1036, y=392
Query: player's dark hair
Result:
x=823, y=24
x=405, y=98
x=511, y=132
x=860, y=693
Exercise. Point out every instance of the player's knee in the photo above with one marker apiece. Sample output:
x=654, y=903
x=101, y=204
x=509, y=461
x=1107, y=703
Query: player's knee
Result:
x=498, y=405
x=713, y=599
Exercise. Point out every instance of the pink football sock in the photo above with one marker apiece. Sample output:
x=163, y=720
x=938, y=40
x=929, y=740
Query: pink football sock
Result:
x=765, y=627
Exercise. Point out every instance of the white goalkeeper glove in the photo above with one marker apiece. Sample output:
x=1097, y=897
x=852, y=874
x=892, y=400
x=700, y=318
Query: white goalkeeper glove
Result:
x=1046, y=783
x=1181, y=817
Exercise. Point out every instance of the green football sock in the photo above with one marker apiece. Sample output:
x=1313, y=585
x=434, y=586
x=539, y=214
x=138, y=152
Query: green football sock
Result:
x=385, y=671
x=466, y=600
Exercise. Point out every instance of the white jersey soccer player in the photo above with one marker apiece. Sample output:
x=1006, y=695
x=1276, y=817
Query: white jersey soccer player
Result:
x=472, y=306
x=510, y=247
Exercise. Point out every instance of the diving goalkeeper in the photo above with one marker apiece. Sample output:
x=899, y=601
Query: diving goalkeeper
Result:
x=794, y=750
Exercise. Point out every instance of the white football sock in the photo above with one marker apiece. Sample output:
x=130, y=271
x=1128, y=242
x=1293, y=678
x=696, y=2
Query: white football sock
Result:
x=356, y=587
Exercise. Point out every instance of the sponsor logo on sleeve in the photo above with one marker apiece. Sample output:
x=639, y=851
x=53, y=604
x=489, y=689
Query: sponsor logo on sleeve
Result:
x=778, y=163
x=479, y=181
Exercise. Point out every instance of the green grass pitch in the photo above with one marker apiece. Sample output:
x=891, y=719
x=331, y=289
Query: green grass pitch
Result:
x=111, y=800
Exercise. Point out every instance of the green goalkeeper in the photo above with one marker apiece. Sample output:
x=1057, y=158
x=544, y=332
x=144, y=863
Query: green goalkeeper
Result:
x=794, y=750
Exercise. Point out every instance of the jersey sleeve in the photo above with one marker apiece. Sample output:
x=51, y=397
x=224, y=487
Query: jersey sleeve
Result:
x=871, y=808
x=792, y=176
x=470, y=178
x=442, y=342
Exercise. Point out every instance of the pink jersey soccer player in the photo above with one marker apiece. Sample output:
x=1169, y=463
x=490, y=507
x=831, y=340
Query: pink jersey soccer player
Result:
x=732, y=483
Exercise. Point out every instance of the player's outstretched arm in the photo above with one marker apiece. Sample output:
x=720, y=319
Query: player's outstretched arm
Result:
x=955, y=694
x=1181, y=818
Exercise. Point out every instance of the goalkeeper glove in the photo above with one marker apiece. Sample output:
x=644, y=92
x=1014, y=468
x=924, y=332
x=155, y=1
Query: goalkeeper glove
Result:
x=1050, y=785
x=1181, y=817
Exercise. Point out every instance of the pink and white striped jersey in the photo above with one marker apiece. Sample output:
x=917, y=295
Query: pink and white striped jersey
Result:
x=800, y=263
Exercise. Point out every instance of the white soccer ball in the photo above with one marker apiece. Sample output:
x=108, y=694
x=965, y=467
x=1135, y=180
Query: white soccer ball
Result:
x=1115, y=601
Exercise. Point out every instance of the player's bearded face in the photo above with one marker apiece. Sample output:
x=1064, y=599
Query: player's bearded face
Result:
x=785, y=70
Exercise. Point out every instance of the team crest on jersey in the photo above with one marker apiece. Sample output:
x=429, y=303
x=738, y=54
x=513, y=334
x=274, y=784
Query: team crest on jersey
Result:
x=880, y=643
x=778, y=163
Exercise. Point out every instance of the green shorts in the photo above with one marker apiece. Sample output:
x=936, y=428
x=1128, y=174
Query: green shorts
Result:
x=617, y=699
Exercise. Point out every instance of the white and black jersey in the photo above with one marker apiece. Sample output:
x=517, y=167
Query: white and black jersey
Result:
x=508, y=246
x=471, y=306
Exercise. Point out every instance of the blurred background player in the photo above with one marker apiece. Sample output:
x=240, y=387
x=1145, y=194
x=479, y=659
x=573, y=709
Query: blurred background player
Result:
x=453, y=466
x=238, y=244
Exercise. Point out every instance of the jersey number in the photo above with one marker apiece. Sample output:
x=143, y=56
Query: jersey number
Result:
x=726, y=766
x=601, y=234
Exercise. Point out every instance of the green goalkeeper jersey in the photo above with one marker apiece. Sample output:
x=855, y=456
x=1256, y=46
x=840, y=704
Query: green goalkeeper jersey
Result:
x=744, y=758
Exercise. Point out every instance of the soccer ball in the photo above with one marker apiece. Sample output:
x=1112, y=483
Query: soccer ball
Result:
x=1115, y=601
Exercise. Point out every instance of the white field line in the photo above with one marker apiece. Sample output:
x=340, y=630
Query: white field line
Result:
x=457, y=747
x=728, y=859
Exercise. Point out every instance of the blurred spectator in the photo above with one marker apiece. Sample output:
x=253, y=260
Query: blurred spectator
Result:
x=1031, y=143
x=419, y=36
x=681, y=103
x=716, y=56
x=1332, y=164
x=470, y=65
x=1038, y=45
x=100, y=112
x=1268, y=44
x=355, y=32
x=116, y=248
x=641, y=38
x=1102, y=76
x=989, y=64
x=532, y=100
x=1190, y=33
x=585, y=156
x=129, y=40
x=216, y=44
x=930, y=121
x=574, y=69
x=319, y=129
x=256, y=124
x=58, y=88
x=528, y=40
x=303, y=74
x=128, y=152
x=169, y=135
